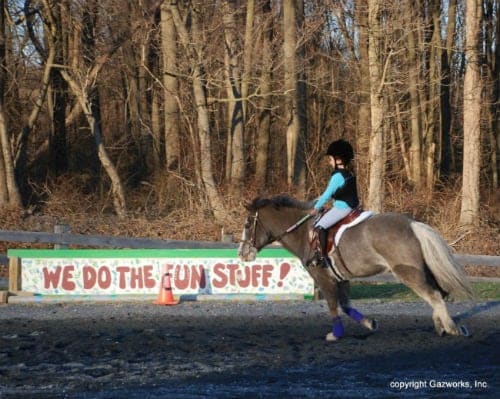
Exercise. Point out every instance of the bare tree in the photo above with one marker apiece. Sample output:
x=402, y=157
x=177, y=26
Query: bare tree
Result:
x=433, y=109
x=83, y=84
x=446, y=112
x=170, y=88
x=9, y=191
x=415, y=108
x=377, y=159
x=294, y=94
x=492, y=89
x=193, y=47
x=363, y=97
x=47, y=55
x=134, y=53
x=235, y=155
x=247, y=54
x=265, y=101
x=469, y=210
x=57, y=97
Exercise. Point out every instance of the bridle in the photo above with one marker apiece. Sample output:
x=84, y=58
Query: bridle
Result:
x=271, y=237
x=253, y=238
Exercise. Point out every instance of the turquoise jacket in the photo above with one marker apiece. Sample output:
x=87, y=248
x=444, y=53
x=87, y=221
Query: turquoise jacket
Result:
x=336, y=182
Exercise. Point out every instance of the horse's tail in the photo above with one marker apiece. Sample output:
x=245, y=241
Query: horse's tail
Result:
x=449, y=274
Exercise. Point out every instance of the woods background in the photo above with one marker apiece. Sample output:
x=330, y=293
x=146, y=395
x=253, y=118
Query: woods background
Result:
x=157, y=118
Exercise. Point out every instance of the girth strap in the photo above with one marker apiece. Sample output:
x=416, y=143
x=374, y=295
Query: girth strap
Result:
x=341, y=262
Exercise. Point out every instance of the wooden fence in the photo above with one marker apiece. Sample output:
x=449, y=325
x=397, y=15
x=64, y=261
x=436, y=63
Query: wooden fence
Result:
x=64, y=239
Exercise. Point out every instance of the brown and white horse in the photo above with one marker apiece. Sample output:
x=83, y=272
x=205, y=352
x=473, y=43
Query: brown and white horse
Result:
x=412, y=251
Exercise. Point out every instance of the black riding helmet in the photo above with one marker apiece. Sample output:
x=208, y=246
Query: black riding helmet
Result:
x=341, y=149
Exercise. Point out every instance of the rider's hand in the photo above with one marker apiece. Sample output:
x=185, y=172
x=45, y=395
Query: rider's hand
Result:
x=313, y=212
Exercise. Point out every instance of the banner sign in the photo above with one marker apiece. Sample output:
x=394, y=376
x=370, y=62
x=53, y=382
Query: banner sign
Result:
x=192, y=272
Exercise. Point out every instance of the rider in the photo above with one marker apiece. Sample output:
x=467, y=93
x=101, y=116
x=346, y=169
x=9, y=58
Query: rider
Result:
x=341, y=189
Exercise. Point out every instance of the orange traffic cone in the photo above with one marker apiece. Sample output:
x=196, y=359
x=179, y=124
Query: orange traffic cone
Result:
x=165, y=296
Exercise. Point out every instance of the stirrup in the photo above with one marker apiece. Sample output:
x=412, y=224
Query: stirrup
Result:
x=318, y=261
x=322, y=261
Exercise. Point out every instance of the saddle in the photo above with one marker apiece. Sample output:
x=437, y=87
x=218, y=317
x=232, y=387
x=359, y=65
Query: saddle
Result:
x=332, y=231
x=334, y=258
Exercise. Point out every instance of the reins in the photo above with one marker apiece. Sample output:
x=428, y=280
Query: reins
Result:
x=272, y=237
x=293, y=227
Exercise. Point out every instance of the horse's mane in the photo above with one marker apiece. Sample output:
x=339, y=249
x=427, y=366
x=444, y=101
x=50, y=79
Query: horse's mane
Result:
x=278, y=201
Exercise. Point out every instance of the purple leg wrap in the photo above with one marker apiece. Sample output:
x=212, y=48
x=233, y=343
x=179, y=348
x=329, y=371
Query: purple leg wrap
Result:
x=353, y=314
x=338, y=327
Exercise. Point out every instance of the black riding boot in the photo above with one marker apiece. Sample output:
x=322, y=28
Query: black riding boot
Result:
x=323, y=242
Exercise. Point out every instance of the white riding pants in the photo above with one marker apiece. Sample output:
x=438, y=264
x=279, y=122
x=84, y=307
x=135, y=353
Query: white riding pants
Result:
x=332, y=216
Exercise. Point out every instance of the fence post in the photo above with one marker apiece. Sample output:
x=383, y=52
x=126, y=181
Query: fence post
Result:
x=227, y=238
x=61, y=229
x=14, y=274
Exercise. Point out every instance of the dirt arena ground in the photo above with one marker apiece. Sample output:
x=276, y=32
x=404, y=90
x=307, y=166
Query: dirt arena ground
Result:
x=243, y=350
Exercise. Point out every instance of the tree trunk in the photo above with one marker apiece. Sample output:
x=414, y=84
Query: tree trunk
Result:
x=292, y=126
x=171, y=88
x=492, y=35
x=134, y=57
x=402, y=147
x=156, y=128
x=294, y=98
x=10, y=192
x=88, y=98
x=265, y=101
x=247, y=55
x=496, y=113
x=57, y=139
x=377, y=161
x=415, y=108
x=4, y=192
x=195, y=54
x=446, y=112
x=235, y=165
x=433, y=129
x=19, y=159
x=363, y=98
x=469, y=211
x=495, y=131
x=89, y=109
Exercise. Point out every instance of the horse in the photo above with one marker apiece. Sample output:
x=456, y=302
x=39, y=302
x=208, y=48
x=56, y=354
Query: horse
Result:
x=386, y=242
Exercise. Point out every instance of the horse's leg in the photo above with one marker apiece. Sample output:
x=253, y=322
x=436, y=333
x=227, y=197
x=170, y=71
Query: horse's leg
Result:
x=425, y=286
x=326, y=283
x=353, y=313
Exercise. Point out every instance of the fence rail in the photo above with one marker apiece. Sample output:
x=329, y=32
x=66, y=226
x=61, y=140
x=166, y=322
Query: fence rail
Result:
x=65, y=239
x=479, y=260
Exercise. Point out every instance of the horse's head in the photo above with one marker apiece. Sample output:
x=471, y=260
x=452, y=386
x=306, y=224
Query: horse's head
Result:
x=254, y=235
x=265, y=223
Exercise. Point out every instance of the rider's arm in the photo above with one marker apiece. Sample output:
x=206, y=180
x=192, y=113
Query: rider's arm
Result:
x=336, y=181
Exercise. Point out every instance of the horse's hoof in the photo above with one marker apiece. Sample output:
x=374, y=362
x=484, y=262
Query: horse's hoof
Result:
x=438, y=326
x=330, y=337
x=370, y=324
x=464, y=331
x=440, y=331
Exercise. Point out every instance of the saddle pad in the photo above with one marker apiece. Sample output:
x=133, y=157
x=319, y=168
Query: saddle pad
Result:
x=363, y=216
